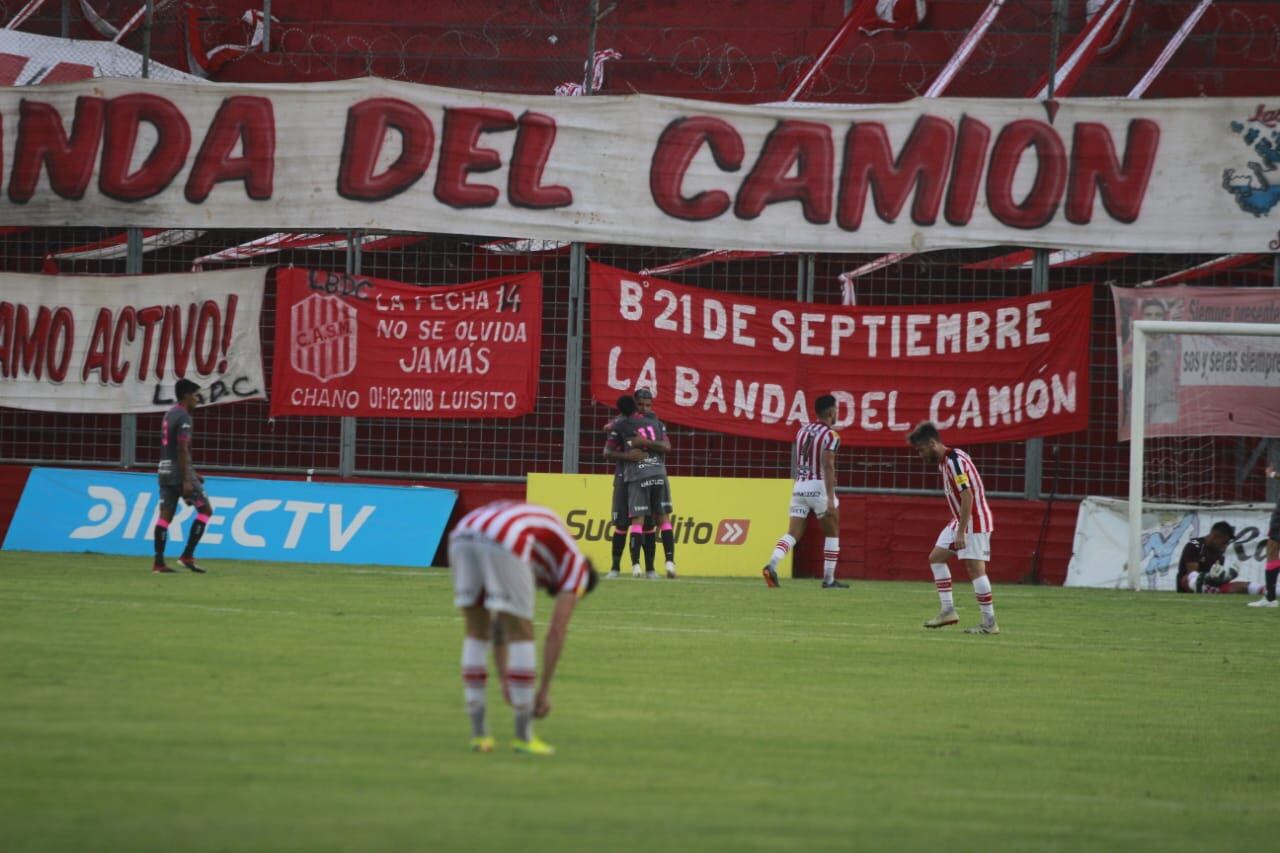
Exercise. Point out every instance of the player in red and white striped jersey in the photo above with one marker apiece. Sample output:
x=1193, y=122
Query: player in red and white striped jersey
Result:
x=498, y=554
x=814, y=491
x=968, y=536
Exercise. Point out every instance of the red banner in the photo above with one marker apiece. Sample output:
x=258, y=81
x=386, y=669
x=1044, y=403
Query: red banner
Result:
x=1003, y=370
x=350, y=345
x=1201, y=384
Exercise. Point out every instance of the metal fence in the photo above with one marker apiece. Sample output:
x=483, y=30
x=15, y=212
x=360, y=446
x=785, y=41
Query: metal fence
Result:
x=709, y=53
x=563, y=432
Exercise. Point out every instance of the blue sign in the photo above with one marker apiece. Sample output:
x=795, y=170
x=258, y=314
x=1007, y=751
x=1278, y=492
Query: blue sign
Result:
x=115, y=513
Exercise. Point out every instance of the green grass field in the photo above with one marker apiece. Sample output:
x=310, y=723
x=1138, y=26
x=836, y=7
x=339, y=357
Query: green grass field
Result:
x=277, y=708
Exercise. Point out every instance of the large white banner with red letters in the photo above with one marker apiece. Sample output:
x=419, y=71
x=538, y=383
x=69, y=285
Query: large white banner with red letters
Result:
x=1002, y=370
x=117, y=344
x=1201, y=384
x=352, y=345
x=1192, y=175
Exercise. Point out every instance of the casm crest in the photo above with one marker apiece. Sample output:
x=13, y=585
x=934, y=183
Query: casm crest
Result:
x=324, y=337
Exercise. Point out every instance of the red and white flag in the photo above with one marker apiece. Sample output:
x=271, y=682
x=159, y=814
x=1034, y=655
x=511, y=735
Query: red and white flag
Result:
x=204, y=59
x=896, y=15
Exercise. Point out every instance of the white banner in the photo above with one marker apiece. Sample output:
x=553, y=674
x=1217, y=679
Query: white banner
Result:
x=1191, y=175
x=31, y=60
x=117, y=344
x=1100, y=552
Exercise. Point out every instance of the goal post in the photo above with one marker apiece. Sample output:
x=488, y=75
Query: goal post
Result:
x=1142, y=331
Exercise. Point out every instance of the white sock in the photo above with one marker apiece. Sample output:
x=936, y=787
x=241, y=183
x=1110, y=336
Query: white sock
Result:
x=784, y=546
x=475, y=672
x=1257, y=588
x=830, y=554
x=982, y=591
x=522, y=676
x=942, y=580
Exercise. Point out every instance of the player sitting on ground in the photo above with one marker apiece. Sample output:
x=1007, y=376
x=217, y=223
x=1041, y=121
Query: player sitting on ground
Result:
x=814, y=491
x=1202, y=566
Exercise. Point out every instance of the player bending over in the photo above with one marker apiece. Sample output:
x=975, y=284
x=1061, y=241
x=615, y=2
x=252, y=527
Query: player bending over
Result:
x=814, y=491
x=497, y=555
x=968, y=536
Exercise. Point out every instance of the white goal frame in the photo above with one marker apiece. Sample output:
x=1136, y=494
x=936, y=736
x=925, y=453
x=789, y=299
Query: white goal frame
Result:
x=1138, y=407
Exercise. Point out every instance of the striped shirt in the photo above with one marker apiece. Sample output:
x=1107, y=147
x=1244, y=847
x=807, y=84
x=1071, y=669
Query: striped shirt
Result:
x=535, y=535
x=812, y=441
x=959, y=474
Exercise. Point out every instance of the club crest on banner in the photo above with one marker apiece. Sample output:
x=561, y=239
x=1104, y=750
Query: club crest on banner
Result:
x=1256, y=187
x=324, y=337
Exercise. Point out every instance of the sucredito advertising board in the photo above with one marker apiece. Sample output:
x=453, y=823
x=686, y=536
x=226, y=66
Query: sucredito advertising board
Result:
x=114, y=513
x=723, y=527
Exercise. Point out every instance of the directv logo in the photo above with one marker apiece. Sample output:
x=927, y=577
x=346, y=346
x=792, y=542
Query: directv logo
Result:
x=728, y=531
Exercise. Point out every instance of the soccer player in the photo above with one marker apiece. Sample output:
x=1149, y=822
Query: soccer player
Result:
x=1272, y=566
x=498, y=554
x=618, y=507
x=968, y=536
x=814, y=491
x=1200, y=555
x=641, y=441
x=178, y=478
x=644, y=405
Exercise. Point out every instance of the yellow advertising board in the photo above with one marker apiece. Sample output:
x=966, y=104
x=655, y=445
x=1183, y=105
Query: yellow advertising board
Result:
x=723, y=527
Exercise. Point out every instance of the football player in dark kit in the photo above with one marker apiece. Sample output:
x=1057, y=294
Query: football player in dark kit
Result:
x=178, y=478
x=644, y=406
x=640, y=443
x=618, y=515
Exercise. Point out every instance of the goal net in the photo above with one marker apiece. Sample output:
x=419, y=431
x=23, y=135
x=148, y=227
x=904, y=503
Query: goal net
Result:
x=1203, y=398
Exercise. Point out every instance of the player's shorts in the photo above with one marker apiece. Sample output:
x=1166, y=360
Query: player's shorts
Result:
x=619, y=511
x=809, y=496
x=1273, y=531
x=977, y=546
x=170, y=495
x=485, y=574
x=648, y=497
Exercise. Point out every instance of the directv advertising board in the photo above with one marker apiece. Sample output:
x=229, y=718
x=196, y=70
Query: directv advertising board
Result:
x=114, y=513
x=723, y=527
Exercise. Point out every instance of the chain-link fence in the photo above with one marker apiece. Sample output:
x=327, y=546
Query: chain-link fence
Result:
x=243, y=437
x=716, y=50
